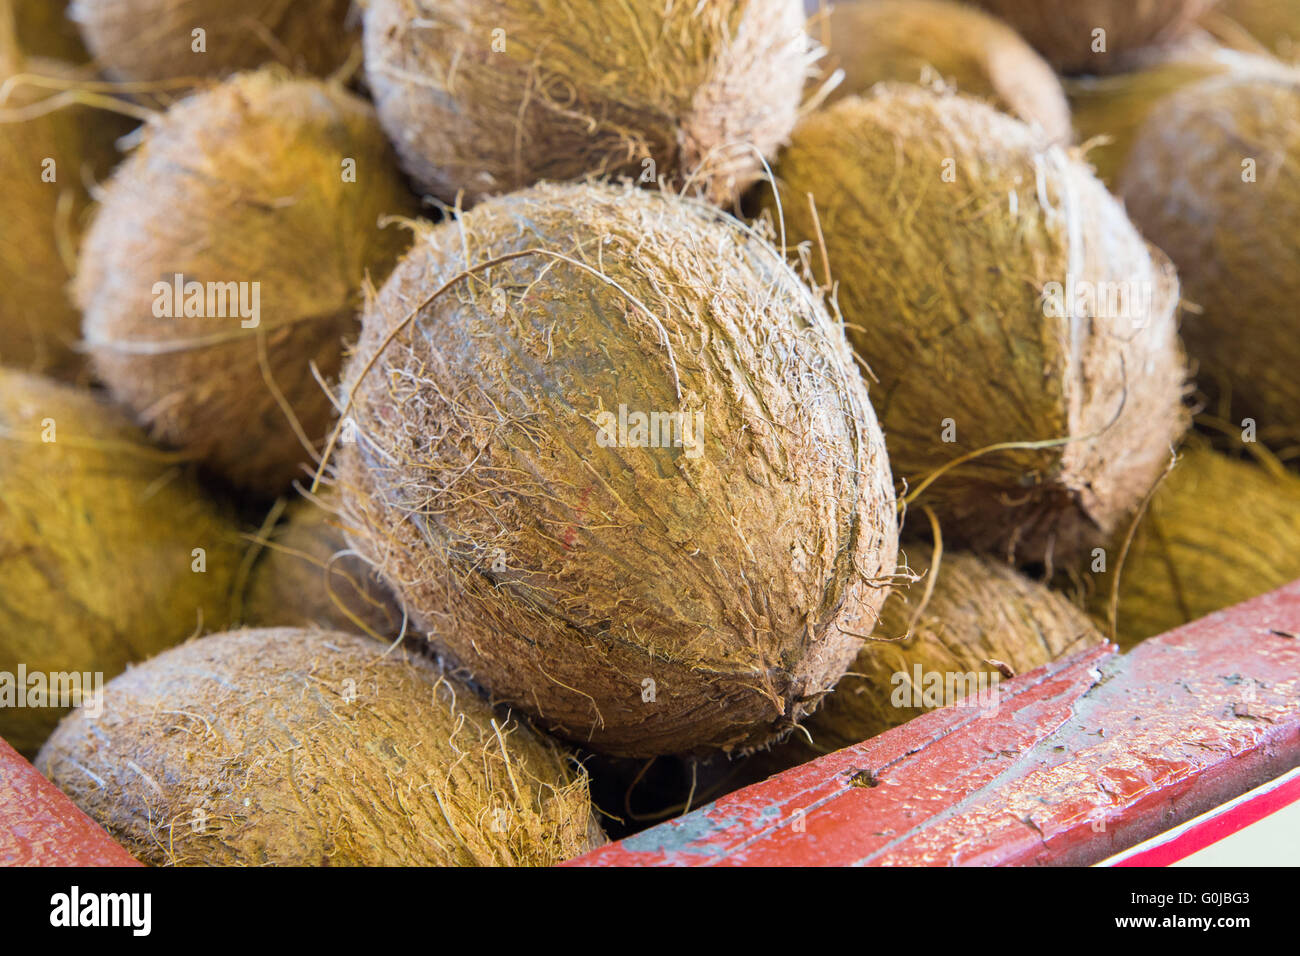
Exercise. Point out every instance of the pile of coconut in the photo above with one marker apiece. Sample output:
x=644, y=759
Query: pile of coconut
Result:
x=455, y=432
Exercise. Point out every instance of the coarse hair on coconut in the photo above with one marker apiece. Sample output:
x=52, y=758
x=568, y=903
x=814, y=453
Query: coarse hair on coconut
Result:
x=1022, y=400
x=111, y=551
x=1218, y=531
x=485, y=96
x=1110, y=111
x=263, y=186
x=1213, y=178
x=291, y=747
x=306, y=576
x=639, y=592
x=49, y=151
x=1095, y=36
x=873, y=41
x=158, y=40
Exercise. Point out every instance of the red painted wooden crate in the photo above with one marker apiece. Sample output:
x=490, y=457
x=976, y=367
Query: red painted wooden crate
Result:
x=1083, y=759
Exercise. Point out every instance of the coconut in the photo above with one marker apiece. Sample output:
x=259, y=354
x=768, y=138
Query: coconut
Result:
x=160, y=40
x=1213, y=178
x=999, y=295
x=44, y=29
x=1218, y=531
x=880, y=40
x=314, y=748
x=1094, y=36
x=308, y=576
x=47, y=155
x=616, y=458
x=110, y=551
x=950, y=638
x=225, y=264
x=1271, y=26
x=486, y=96
x=1109, y=111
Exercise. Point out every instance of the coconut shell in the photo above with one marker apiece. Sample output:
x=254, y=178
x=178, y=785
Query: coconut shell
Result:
x=1218, y=531
x=45, y=163
x=1117, y=107
x=289, y=747
x=981, y=613
x=879, y=40
x=257, y=165
x=641, y=595
x=486, y=96
x=945, y=223
x=44, y=30
x=97, y=539
x=1234, y=231
x=153, y=40
x=1064, y=30
x=308, y=576
x=1258, y=26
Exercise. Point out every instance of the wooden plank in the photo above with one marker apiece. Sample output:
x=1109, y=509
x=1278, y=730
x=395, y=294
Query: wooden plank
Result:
x=39, y=826
x=1080, y=760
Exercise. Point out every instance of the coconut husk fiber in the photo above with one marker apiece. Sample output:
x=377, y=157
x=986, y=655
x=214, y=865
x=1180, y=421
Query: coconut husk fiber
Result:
x=1258, y=26
x=1233, y=230
x=486, y=96
x=308, y=576
x=153, y=40
x=946, y=288
x=256, y=164
x=906, y=40
x=638, y=592
x=290, y=747
x=48, y=156
x=1218, y=531
x=98, y=535
x=44, y=30
x=1063, y=31
x=1109, y=111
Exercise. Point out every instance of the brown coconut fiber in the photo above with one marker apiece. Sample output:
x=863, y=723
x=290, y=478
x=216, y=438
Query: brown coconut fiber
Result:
x=313, y=748
x=641, y=590
x=109, y=551
x=1066, y=31
x=1110, y=111
x=1258, y=26
x=307, y=576
x=48, y=155
x=240, y=189
x=154, y=41
x=1213, y=178
x=1218, y=531
x=975, y=624
x=999, y=296
x=486, y=96
x=878, y=40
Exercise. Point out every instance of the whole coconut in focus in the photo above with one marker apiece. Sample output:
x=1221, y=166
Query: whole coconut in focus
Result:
x=487, y=96
x=1218, y=531
x=48, y=153
x=877, y=40
x=309, y=576
x=314, y=748
x=1117, y=107
x=1094, y=36
x=225, y=265
x=999, y=295
x=155, y=40
x=1213, y=178
x=110, y=552
x=616, y=458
